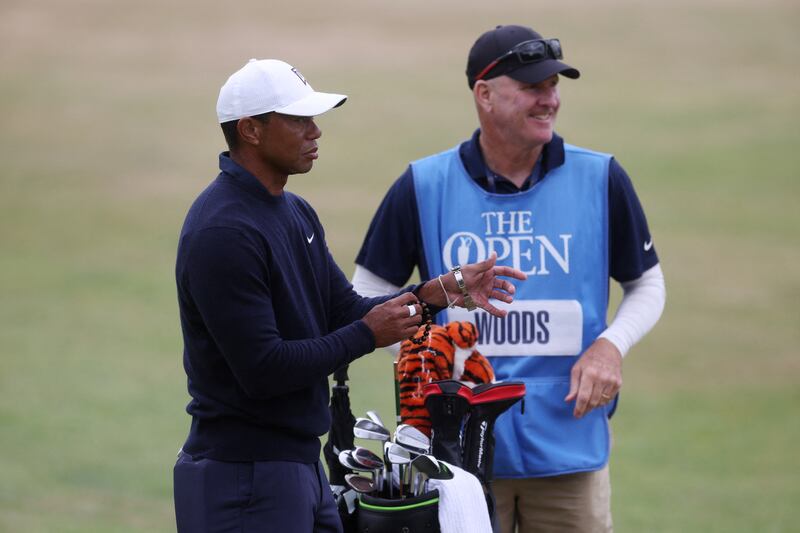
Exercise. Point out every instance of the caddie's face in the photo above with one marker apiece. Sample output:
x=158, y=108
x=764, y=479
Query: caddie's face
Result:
x=290, y=143
x=525, y=111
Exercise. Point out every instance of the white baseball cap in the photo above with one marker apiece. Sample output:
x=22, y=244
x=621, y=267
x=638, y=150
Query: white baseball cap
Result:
x=268, y=85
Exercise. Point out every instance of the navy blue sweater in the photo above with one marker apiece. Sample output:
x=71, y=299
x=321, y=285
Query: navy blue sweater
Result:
x=266, y=316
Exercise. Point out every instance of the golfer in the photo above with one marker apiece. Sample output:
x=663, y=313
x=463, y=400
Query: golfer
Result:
x=267, y=315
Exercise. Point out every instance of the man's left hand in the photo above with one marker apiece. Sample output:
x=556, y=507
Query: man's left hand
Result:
x=482, y=281
x=596, y=378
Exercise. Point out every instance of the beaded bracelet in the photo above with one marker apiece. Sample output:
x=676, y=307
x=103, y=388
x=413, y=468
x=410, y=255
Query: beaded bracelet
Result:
x=427, y=320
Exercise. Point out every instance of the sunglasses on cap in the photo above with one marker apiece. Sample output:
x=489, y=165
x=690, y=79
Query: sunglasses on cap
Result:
x=528, y=52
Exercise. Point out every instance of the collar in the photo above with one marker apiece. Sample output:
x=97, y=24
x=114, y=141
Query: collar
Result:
x=239, y=175
x=470, y=152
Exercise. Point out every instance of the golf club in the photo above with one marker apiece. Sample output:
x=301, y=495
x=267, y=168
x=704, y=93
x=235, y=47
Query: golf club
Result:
x=368, y=459
x=375, y=417
x=420, y=484
x=346, y=460
x=367, y=429
x=387, y=469
x=426, y=464
x=359, y=483
x=397, y=455
x=412, y=439
x=422, y=464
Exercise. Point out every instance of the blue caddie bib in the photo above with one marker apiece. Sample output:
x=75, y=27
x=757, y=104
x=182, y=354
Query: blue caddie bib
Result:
x=556, y=232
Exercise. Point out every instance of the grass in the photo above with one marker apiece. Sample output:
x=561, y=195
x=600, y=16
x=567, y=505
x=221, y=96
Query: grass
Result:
x=108, y=134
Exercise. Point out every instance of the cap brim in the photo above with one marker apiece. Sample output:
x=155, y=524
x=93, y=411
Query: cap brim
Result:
x=314, y=104
x=536, y=72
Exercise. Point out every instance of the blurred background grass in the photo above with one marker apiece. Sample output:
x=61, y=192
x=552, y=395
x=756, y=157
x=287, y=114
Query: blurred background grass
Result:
x=108, y=132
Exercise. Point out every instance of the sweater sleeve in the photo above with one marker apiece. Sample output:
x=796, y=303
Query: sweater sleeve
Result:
x=226, y=278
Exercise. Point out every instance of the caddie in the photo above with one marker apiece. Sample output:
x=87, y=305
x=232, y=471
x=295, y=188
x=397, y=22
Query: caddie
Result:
x=569, y=218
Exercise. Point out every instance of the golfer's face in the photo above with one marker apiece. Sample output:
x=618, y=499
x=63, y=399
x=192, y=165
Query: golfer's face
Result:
x=291, y=143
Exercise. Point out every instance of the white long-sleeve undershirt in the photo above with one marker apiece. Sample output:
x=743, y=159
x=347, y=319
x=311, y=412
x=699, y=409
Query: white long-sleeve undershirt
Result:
x=642, y=303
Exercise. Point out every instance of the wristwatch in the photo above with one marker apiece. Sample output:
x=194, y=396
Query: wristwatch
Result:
x=468, y=301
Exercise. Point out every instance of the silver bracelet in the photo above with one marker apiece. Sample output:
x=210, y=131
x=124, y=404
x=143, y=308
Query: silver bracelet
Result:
x=450, y=304
x=468, y=301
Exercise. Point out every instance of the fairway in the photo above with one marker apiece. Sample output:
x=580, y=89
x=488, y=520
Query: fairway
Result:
x=109, y=133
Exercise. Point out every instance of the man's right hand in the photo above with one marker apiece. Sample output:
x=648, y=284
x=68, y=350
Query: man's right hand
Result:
x=390, y=321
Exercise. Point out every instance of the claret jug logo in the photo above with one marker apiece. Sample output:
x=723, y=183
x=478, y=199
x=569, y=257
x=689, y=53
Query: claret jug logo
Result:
x=510, y=234
x=532, y=326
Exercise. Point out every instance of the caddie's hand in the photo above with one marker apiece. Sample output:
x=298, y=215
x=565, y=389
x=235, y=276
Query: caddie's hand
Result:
x=596, y=378
x=394, y=320
x=482, y=282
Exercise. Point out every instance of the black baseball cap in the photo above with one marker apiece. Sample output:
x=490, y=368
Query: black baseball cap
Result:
x=498, y=42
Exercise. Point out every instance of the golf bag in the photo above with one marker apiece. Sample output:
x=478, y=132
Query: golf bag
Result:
x=463, y=421
x=340, y=437
x=463, y=425
x=419, y=514
x=448, y=404
x=487, y=403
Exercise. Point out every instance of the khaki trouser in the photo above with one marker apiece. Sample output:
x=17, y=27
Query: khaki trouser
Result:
x=569, y=503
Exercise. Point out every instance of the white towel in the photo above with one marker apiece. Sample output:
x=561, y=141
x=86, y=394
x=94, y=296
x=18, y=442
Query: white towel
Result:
x=462, y=505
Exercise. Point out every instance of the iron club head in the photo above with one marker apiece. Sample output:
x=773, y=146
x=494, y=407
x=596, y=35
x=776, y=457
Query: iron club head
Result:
x=396, y=454
x=367, y=429
x=367, y=458
x=412, y=439
x=427, y=464
x=375, y=417
x=359, y=483
x=346, y=460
